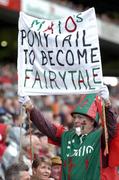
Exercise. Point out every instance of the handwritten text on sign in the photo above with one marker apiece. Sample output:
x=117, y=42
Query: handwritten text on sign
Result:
x=59, y=56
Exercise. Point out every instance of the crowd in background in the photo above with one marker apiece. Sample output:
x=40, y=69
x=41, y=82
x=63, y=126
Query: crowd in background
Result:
x=16, y=134
x=15, y=129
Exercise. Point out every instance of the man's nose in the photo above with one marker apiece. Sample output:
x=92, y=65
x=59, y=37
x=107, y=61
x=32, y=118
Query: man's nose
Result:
x=83, y=122
x=77, y=119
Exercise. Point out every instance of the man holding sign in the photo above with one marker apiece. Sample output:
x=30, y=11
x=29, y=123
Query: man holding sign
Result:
x=62, y=57
x=80, y=147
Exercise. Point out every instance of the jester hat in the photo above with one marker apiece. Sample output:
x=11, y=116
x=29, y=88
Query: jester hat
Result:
x=87, y=106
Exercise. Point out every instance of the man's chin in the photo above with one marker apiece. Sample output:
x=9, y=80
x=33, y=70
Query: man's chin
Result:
x=78, y=130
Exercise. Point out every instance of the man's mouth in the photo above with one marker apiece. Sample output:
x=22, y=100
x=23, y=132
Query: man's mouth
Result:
x=77, y=124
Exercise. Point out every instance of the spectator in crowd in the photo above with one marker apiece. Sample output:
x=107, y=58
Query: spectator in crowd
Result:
x=41, y=168
x=67, y=120
x=56, y=167
x=44, y=148
x=7, y=117
x=3, y=134
x=11, y=153
x=3, y=146
x=2, y=110
x=29, y=152
x=18, y=171
x=81, y=144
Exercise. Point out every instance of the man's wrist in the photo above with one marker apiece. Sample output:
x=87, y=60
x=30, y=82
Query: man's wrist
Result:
x=108, y=103
x=28, y=106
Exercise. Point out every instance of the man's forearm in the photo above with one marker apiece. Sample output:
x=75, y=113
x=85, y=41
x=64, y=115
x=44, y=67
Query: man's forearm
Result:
x=111, y=121
x=44, y=125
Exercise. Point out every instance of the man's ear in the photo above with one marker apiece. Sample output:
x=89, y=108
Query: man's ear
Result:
x=92, y=122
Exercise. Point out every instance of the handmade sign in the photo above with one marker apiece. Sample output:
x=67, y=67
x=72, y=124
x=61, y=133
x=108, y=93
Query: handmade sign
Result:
x=59, y=56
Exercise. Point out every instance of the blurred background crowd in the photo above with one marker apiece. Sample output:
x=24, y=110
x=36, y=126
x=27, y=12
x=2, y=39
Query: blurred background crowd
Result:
x=15, y=135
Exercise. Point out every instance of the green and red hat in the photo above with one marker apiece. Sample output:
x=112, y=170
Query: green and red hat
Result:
x=87, y=106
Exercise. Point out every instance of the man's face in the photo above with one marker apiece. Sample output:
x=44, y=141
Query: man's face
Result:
x=56, y=172
x=36, y=144
x=44, y=142
x=84, y=122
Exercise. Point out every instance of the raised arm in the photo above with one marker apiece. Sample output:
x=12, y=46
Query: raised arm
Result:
x=44, y=125
x=111, y=122
x=109, y=112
